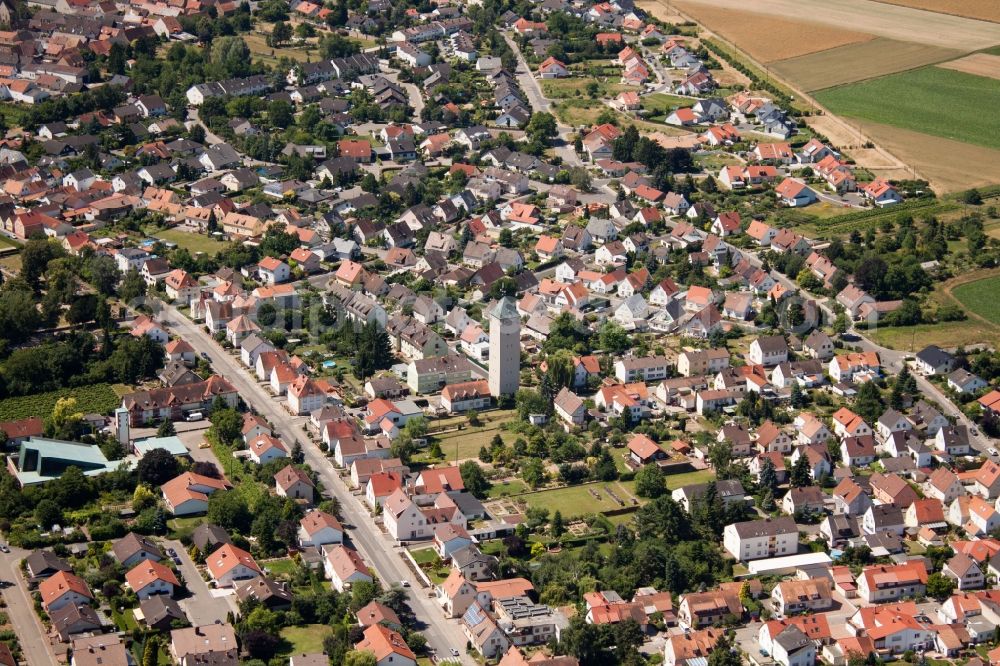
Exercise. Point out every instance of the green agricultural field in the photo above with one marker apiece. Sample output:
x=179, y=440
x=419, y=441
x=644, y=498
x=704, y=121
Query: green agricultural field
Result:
x=934, y=101
x=981, y=297
x=96, y=398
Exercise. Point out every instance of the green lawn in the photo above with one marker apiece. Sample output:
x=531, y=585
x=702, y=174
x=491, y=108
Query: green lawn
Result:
x=425, y=558
x=507, y=488
x=280, y=567
x=661, y=104
x=981, y=297
x=945, y=334
x=424, y=555
x=675, y=481
x=192, y=242
x=576, y=501
x=930, y=100
x=468, y=441
x=576, y=86
x=308, y=638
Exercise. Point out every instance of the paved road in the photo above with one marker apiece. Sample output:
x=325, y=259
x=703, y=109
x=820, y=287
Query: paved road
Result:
x=539, y=102
x=210, y=137
x=376, y=547
x=201, y=607
x=35, y=645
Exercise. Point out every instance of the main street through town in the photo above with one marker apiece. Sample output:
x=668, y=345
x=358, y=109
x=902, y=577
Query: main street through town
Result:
x=378, y=549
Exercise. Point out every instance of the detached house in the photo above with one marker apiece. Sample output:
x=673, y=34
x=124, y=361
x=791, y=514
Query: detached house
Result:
x=756, y=539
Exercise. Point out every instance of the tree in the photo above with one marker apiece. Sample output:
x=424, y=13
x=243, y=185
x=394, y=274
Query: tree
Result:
x=227, y=425
x=35, y=257
x=229, y=510
x=939, y=586
x=47, y=514
x=133, y=287
x=65, y=422
x=474, y=479
x=260, y=644
x=798, y=397
x=868, y=402
x=768, y=475
x=373, y=351
x=230, y=56
x=143, y=497
x=150, y=651
x=841, y=323
x=613, y=338
x=604, y=468
x=649, y=482
x=280, y=114
x=972, y=197
x=801, y=475
x=580, y=179
x=583, y=641
x=197, y=133
x=506, y=238
x=360, y=658
x=557, y=527
x=82, y=309
x=541, y=128
x=166, y=429
x=157, y=467
x=533, y=472
x=724, y=654
x=19, y=318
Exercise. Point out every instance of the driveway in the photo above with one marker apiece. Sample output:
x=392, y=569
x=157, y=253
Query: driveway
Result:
x=202, y=607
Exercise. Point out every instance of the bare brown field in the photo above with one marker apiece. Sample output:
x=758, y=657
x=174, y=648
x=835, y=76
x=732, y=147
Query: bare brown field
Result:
x=845, y=137
x=951, y=166
x=858, y=62
x=840, y=135
x=878, y=18
x=729, y=77
x=980, y=64
x=767, y=38
x=983, y=10
x=660, y=11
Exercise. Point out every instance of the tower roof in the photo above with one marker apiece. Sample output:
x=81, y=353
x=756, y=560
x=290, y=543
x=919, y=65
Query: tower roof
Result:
x=505, y=309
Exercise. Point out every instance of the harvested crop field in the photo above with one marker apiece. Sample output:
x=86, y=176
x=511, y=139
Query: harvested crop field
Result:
x=858, y=62
x=930, y=100
x=878, y=18
x=951, y=166
x=768, y=38
x=984, y=10
x=980, y=64
x=660, y=11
